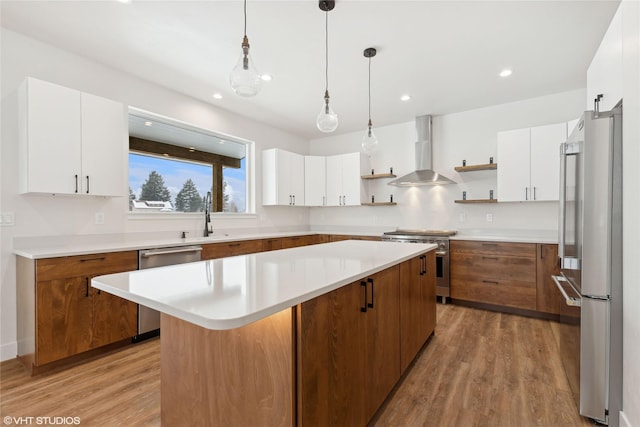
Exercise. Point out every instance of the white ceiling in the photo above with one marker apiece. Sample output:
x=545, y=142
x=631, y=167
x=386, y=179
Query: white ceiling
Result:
x=445, y=54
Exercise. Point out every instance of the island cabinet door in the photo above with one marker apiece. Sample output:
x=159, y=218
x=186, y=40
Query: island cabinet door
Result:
x=382, y=336
x=417, y=305
x=348, y=351
x=331, y=358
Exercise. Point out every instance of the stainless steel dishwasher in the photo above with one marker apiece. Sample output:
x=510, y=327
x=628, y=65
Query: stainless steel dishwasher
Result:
x=149, y=319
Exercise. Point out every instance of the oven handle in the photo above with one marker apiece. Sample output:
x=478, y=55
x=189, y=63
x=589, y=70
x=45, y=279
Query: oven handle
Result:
x=441, y=253
x=570, y=301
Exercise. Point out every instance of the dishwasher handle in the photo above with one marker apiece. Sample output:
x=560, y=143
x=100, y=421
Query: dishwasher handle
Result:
x=153, y=252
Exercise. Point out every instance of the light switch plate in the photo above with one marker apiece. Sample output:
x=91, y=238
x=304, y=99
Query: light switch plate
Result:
x=489, y=217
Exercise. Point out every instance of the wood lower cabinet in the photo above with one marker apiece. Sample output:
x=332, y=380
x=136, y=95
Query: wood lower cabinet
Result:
x=338, y=237
x=221, y=250
x=417, y=305
x=62, y=315
x=349, y=351
x=296, y=241
x=548, y=297
x=501, y=274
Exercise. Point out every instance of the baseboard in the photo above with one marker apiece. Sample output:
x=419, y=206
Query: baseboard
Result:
x=8, y=351
x=624, y=421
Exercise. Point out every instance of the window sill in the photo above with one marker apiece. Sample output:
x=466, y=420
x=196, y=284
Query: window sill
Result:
x=161, y=216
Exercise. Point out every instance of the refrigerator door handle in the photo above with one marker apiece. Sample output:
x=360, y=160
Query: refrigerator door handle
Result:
x=563, y=200
x=570, y=301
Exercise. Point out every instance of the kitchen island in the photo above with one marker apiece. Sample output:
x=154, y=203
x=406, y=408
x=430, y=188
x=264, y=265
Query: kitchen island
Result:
x=261, y=339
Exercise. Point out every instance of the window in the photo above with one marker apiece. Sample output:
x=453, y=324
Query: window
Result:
x=173, y=166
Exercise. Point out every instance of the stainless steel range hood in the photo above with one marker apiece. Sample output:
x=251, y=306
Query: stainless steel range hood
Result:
x=424, y=174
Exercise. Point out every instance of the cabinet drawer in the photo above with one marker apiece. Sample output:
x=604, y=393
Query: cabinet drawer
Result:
x=494, y=248
x=493, y=267
x=507, y=293
x=86, y=265
x=221, y=250
x=271, y=244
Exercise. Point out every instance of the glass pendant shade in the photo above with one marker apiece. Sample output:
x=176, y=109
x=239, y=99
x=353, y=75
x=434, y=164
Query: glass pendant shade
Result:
x=245, y=79
x=369, y=141
x=327, y=120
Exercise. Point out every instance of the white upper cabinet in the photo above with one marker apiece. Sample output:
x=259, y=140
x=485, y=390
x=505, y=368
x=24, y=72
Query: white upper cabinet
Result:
x=514, y=172
x=282, y=178
x=605, y=73
x=529, y=163
x=344, y=183
x=315, y=177
x=70, y=142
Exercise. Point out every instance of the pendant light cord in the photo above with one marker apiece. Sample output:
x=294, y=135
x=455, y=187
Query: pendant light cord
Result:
x=369, y=91
x=326, y=50
x=245, y=18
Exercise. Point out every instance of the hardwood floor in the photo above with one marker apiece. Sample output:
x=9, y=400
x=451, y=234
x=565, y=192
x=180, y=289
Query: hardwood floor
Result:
x=480, y=369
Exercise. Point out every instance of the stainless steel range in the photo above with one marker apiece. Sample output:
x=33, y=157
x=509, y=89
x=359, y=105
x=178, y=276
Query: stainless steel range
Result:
x=438, y=237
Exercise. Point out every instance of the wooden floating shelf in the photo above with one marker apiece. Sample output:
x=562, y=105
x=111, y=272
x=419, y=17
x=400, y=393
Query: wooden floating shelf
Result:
x=477, y=201
x=378, y=176
x=380, y=204
x=471, y=168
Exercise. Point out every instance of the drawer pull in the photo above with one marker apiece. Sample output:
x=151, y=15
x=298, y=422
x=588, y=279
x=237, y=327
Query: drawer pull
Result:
x=92, y=259
x=493, y=282
x=234, y=244
x=490, y=257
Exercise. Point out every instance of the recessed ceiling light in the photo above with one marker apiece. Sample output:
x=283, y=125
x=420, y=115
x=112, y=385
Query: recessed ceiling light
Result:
x=124, y=1
x=267, y=77
x=148, y=123
x=405, y=97
x=217, y=95
x=505, y=73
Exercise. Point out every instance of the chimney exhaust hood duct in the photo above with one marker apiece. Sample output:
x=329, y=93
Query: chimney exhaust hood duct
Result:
x=424, y=174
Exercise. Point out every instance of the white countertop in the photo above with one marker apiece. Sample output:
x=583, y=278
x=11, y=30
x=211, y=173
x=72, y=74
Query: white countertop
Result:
x=231, y=292
x=83, y=245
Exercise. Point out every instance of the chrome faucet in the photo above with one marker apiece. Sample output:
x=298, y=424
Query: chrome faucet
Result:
x=207, y=214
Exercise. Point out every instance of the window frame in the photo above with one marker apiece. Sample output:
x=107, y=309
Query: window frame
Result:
x=217, y=161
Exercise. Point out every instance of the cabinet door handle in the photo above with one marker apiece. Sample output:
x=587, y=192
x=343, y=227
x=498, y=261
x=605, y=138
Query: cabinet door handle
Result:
x=87, y=184
x=76, y=183
x=370, y=280
x=422, y=265
x=324, y=200
x=294, y=199
x=493, y=282
x=344, y=200
x=490, y=257
x=534, y=193
x=424, y=260
x=86, y=284
x=363, y=284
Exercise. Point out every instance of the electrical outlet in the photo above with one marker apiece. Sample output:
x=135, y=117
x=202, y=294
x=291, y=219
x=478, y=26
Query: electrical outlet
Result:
x=489, y=217
x=99, y=218
x=462, y=217
x=6, y=218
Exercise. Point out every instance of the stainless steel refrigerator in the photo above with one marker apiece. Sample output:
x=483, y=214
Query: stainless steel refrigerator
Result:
x=590, y=257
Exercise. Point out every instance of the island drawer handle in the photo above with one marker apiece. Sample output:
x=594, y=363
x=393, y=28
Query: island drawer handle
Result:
x=363, y=284
x=493, y=282
x=370, y=280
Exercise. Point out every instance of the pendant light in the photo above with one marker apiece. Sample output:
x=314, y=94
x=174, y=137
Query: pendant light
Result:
x=244, y=78
x=327, y=120
x=369, y=141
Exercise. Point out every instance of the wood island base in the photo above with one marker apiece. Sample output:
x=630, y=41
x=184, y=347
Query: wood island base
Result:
x=236, y=377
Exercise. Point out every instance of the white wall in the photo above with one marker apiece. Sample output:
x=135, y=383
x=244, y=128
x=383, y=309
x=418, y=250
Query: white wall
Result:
x=47, y=215
x=631, y=183
x=469, y=135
